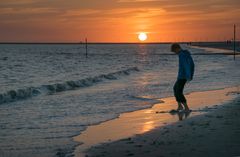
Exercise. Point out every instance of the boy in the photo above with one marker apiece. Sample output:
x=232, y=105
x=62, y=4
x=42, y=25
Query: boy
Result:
x=185, y=73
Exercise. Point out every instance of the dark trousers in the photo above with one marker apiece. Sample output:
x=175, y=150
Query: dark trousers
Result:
x=178, y=90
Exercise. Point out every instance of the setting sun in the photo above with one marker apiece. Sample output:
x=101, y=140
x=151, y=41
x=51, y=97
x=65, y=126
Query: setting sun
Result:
x=142, y=36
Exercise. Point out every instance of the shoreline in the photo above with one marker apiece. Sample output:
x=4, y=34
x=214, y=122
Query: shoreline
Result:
x=218, y=45
x=128, y=125
x=221, y=51
x=215, y=133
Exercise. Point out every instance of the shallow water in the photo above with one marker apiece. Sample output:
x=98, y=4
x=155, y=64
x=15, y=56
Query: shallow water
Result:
x=50, y=93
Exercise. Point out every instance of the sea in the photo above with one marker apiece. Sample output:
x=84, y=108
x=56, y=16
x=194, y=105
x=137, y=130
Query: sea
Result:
x=50, y=93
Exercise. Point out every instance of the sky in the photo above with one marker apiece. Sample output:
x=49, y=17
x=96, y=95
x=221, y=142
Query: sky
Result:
x=118, y=20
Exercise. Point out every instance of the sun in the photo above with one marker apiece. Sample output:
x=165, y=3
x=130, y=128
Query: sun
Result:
x=142, y=36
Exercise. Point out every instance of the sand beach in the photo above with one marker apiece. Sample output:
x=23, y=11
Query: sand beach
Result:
x=212, y=128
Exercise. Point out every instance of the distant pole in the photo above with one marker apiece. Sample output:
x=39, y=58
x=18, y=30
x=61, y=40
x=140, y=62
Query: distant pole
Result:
x=86, y=46
x=234, y=41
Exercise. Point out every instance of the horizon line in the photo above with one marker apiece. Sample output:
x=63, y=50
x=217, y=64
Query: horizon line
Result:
x=181, y=42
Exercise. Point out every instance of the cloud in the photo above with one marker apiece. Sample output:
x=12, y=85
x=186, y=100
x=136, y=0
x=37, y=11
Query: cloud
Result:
x=123, y=13
x=135, y=12
x=132, y=1
x=54, y=17
x=19, y=3
x=82, y=12
x=28, y=11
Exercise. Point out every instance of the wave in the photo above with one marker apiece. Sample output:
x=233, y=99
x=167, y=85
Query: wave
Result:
x=14, y=95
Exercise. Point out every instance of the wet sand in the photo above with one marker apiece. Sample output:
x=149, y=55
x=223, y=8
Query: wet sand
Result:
x=214, y=134
x=156, y=132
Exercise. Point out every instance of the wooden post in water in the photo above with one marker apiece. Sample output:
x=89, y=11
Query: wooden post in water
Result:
x=86, y=46
x=234, y=41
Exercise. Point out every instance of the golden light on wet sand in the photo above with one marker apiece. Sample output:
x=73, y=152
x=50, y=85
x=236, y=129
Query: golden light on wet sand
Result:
x=142, y=36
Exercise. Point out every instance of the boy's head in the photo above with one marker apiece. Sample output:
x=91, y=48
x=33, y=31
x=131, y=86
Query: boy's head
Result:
x=175, y=48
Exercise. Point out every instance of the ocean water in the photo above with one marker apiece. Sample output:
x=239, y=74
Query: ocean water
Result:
x=51, y=93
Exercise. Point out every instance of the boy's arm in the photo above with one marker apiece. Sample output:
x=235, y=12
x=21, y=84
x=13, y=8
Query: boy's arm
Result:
x=181, y=71
x=187, y=68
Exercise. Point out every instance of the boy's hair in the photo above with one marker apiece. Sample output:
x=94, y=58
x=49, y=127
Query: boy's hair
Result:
x=175, y=46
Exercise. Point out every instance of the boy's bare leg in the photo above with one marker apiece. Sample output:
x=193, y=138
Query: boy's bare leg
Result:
x=180, y=107
x=186, y=106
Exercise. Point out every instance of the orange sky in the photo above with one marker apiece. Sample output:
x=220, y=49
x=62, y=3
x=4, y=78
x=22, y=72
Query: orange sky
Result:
x=117, y=20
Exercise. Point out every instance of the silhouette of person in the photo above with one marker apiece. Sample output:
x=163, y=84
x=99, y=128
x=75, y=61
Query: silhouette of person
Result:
x=185, y=73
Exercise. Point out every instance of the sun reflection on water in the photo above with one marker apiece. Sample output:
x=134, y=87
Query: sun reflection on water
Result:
x=147, y=126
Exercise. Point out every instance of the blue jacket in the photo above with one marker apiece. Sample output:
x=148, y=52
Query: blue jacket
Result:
x=186, y=65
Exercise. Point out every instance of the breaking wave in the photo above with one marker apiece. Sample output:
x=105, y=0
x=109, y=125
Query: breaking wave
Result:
x=14, y=95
